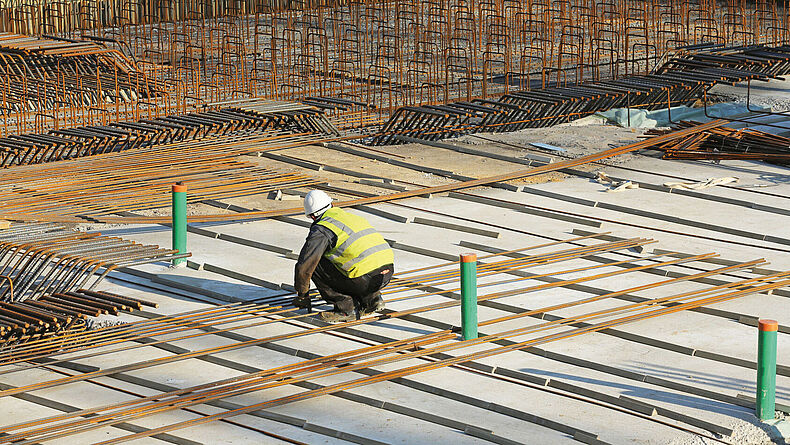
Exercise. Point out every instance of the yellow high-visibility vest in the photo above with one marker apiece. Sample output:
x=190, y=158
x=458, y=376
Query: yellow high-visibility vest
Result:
x=360, y=248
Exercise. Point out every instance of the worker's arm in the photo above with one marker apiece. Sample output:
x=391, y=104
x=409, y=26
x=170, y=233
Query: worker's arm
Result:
x=318, y=241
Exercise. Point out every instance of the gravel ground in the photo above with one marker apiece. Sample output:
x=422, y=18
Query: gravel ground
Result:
x=774, y=94
x=578, y=138
x=744, y=433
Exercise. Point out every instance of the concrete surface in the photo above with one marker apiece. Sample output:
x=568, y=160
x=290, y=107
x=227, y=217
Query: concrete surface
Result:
x=582, y=376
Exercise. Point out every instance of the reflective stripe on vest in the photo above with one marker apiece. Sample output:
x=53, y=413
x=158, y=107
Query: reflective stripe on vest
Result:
x=360, y=248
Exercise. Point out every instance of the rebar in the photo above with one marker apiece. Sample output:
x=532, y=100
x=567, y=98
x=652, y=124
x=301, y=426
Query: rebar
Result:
x=186, y=55
x=50, y=259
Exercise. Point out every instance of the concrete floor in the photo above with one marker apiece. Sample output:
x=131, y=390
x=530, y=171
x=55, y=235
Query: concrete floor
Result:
x=579, y=372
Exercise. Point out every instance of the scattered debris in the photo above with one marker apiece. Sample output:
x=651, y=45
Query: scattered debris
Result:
x=547, y=147
x=723, y=143
x=701, y=185
x=614, y=186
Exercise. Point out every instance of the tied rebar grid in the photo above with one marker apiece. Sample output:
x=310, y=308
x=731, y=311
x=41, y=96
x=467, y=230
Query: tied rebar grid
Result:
x=434, y=350
x=140, y=179
x=680, y=81
x=38, y=259
x=385, y=53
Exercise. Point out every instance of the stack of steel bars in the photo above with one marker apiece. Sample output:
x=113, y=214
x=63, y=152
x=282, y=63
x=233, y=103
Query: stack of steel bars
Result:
x=118, y=136
x=724, y=143
x=306, y=117
x=771, y=61
x=44, y=258
x=99, y=337
x=40, y=74
x=51, y=316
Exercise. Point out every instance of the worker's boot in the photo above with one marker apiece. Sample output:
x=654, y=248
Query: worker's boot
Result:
x=376, y=305
x=336, y=317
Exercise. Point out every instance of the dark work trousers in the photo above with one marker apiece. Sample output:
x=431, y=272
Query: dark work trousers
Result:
x=346, y=293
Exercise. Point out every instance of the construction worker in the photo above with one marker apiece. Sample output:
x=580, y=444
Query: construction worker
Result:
x=347, y=259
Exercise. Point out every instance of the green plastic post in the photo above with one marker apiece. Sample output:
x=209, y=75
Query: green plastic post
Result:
x=469, y=296
x=766, y=370
x=179, y=221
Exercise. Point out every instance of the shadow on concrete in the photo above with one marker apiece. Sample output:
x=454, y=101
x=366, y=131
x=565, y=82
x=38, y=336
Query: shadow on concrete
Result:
x=389, y=325
x=746, y=386
x=320, y=306
x=655, y=394
x=157, y=228
x=160, y=228
x=121, y=231
x=166, y=291
x=777, y=436
x=773, y=178
x=221, y=290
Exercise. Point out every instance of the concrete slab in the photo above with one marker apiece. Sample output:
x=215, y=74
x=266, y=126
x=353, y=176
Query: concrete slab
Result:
x=635, y=373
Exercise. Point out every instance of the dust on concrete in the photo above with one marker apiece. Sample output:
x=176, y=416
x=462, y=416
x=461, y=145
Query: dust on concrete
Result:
x=747, y=433
x=743, y=433
x=101, y=324
x=774, y=103
x=193, y=209
x=418, y=154
x=578, y=138
x=96, y=227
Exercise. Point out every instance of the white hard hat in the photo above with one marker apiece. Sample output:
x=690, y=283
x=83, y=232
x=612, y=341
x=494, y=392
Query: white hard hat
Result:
x=316, y=202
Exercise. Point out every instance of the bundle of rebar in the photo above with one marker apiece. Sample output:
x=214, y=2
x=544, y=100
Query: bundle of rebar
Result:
x=41, y=74
x=51, y=316
x=724, y=143
x=119, y=136
x=38, y=259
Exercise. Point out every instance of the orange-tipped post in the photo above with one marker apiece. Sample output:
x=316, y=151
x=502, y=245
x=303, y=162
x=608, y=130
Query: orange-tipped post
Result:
x=766, y=369
x=469, y=295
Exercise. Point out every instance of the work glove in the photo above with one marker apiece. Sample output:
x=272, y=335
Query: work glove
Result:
x=303, y=302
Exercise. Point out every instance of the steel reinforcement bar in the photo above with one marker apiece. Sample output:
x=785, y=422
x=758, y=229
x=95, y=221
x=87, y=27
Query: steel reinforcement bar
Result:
x=38, y=259
x=753, y=283
x=253, y=116
x=682, y=80
x=422, y=282
x=435, y=189
x=141, y=178
x=639, y=311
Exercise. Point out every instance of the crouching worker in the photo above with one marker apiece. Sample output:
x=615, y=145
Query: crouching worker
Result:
x=347, y=259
